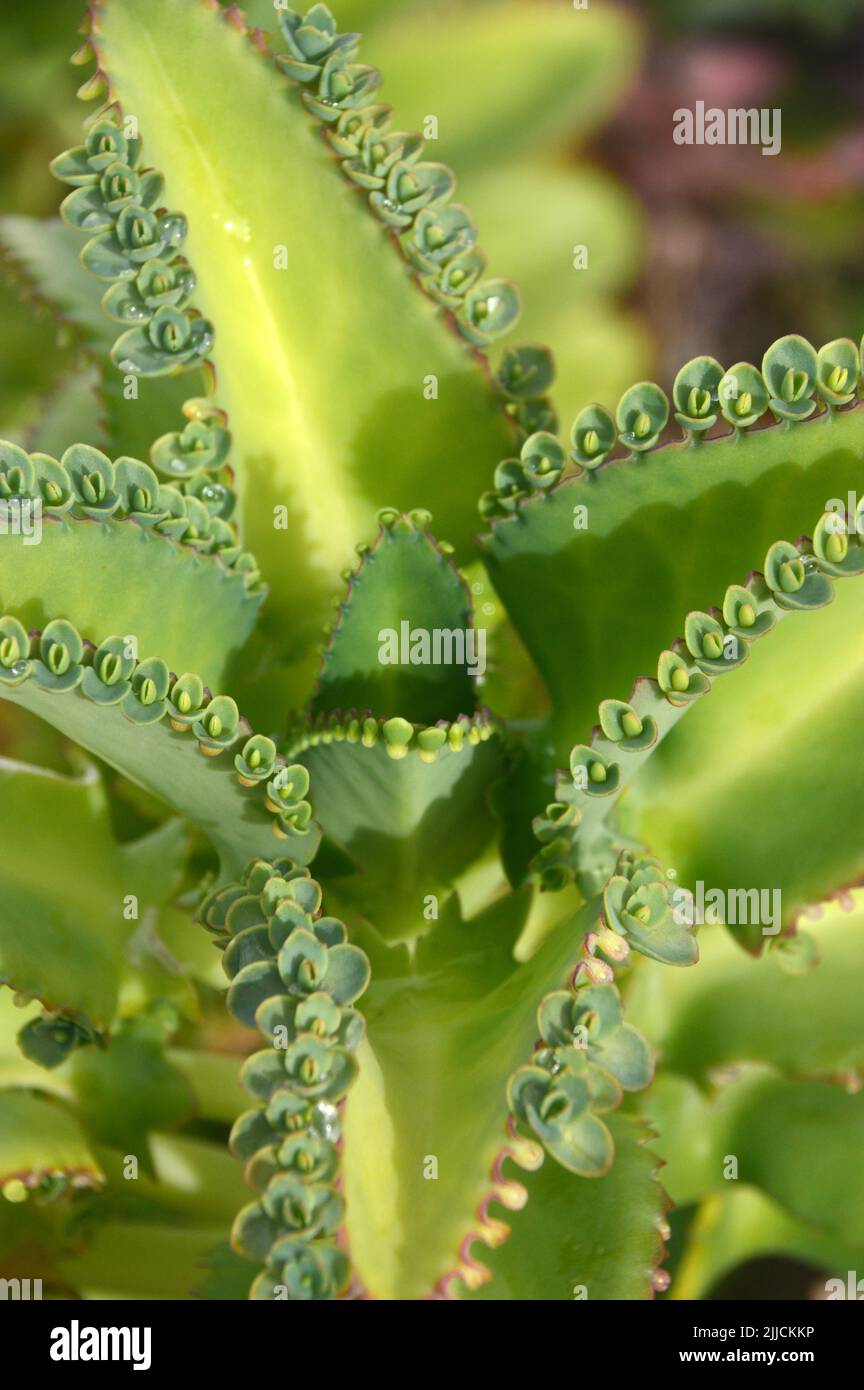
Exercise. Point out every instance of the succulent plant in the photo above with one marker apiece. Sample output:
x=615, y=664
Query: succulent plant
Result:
x=295, y=365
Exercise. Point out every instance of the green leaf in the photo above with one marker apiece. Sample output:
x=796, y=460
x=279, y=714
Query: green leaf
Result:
x=723, y=761
x=444, y=1034
x=802, y=1143
x=41, y=1143
x=732, y=1009
x=130, y=1088
x=139, y=1260
x=317, y=433
x=108, y=578
x=408, y=824
x=169, y=764
x=78, y=949
x=405, y=591
x=61, y=933
x=46, y=255
x=666, y=533
x=594, y=1238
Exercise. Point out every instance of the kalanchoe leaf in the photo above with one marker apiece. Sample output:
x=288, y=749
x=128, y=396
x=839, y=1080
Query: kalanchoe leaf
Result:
x=642, y=415
x=543, y=460
x=557, y=1109
x=308, y=1273
x=558, y=816
x=307, y=894
x=742, y=613
x=354, y=128
x=451, y=284
x=411, y=186
x=218, y=498
x=304, y=1210
x=104, y=145
x=158, y=283
x=250, y=1133
x=253, y=1232
x=836, y=552
x=138, y=489
x=176, y=523
x=303, y=963
x=489, y=310
x=706, y=641
x=16, y=472
x=146, y=702
x=612, y=1044
x=342, y=85
x=136, y=236
x=293, y=820
x=622, y=725
x=51, y=1038
x=311, y=40
x=288, y=786
x=308, y=1157
x=292, y=975
x=398, y=734
x=249, y=989
x=347, y=973
x=250, y=941
x=256, y=760
x=201, y=446
x=376, y=156
x=437, y=235
x=198, y=532
x=249, y=945
x=636, y=905
x=789, y=368
x=92, y=478
x=58, y=665
x=742, y=395
x=52, y=484
x=511, y=483
x=186, y=701
x=592, y=772
x=106, y=681
x=319, y=1071
x=695, y=394
x=15, y=663
x=838, y=369
x=142, y=234
x=593, y=436
x=171, y=340
x=532, y=417
x=526, y=372
x=218, y=726
x=97, y=205
x=678, y=681
x=794, y=580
